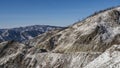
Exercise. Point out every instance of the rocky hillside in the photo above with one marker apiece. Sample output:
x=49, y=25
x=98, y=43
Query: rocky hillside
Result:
x=91, y=43
x=94, y=34
x=17, y=55
x=24, y=33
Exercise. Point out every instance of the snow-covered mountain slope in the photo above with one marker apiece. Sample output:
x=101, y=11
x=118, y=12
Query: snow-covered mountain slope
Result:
x=94, y=34
x=109, y=59
x=24, y=33
x=91, y=43
x=17, y=55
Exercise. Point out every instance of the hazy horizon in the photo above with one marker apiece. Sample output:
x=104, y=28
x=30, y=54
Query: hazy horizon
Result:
x=19, y=13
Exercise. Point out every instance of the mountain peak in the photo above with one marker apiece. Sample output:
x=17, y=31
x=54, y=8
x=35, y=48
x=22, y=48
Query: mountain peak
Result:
x=95, y=33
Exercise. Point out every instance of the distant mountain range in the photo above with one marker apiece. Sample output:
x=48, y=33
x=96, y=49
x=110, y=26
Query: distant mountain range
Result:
x=24, y=33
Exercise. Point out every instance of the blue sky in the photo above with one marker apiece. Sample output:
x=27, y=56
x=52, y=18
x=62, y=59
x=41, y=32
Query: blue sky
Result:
x=16, y=13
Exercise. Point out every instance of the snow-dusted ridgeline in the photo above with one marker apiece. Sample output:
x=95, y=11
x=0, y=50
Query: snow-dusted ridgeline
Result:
x=25, y=33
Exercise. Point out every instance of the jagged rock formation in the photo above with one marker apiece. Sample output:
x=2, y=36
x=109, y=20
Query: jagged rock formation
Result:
x=91, y=43
x=25, y=33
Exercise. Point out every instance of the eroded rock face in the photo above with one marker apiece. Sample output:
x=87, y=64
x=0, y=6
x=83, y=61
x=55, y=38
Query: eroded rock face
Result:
x=67, y=60
x=16, y=55
x=11, y=54
x=91, y=43
x=44, y=41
